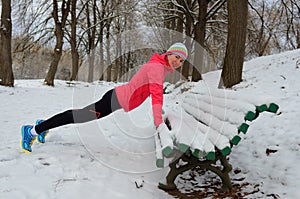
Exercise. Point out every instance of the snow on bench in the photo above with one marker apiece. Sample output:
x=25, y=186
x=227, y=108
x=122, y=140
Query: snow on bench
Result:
x=205, y=127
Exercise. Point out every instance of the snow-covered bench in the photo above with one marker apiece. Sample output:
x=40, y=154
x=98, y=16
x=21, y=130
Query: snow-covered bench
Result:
x=204, y=128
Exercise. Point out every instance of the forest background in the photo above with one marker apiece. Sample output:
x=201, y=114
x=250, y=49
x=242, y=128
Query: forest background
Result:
x=108, y=40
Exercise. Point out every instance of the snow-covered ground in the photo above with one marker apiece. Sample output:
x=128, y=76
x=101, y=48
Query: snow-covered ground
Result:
x=114, y=157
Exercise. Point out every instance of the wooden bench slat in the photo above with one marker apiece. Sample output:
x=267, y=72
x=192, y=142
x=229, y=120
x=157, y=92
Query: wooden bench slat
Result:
x=233, y=104
x=217, y=139
x=262, y=108
x=250, y=116
x=184, y=134
x=241, y=96
x=273, y=107
x=188, y=137
x=222, y=113
x=227, y=129
x=243, y=127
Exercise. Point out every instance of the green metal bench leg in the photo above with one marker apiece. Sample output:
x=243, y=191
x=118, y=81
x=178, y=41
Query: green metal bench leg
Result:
x=224, y=173
x=194, y=162
x=173, y=173
x=227, y=185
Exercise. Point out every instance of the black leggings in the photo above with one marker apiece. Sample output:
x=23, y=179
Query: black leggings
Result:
x=105, y=106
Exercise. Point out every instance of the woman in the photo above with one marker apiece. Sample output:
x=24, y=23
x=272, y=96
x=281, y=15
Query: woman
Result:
x=148, y=81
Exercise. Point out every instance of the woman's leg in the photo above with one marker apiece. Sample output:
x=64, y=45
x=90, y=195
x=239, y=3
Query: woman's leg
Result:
x=108, y=104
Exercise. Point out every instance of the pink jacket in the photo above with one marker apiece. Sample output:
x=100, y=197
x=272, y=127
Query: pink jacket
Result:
x=147, y=81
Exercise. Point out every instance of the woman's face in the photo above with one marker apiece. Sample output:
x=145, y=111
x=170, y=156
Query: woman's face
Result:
x=175, y=60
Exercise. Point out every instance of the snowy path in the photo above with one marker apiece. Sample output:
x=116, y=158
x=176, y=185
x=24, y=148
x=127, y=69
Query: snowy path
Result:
x=66, y=165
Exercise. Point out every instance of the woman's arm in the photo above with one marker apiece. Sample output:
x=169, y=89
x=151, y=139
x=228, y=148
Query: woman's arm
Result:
x=156, y=79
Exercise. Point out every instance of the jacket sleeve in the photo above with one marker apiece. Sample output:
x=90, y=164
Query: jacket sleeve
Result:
x=156, y=79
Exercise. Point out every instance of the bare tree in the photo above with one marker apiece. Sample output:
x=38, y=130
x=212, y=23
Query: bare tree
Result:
x=292, y=16
x=103, y=22
x=108, y=53
x=264, y=23
x=73, y=37
x=91, y=17
x=120, y=19
x=60, y=24
x=200, y=29
x=31, y=40
x=235, y=50
x=273, y=26
x=216, y=31
x=6, y=72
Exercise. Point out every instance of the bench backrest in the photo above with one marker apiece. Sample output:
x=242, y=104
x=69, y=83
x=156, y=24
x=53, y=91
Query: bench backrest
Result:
x=213, y=121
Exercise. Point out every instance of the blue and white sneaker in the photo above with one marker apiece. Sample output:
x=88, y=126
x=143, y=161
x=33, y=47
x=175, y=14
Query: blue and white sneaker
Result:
x=27, y=138
x=41, y=136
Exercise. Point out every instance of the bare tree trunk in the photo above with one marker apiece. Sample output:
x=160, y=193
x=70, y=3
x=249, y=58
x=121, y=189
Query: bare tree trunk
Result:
x=298, y=38
x=108, y=59
x=186, y=65
x=101, y=41
x=101, y=53
x=199, y=38
x=188, y=32
x=235, y=50
x=74, y=51
x=6, y=72
x=117, y=61
x=179, y=28
x=59, y=34
x=91, y=39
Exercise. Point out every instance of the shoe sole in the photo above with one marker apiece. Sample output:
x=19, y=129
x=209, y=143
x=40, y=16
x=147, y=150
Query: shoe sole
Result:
x=24, y=150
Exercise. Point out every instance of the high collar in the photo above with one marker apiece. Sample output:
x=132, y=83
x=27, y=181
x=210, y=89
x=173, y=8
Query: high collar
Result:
x=162, y=59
